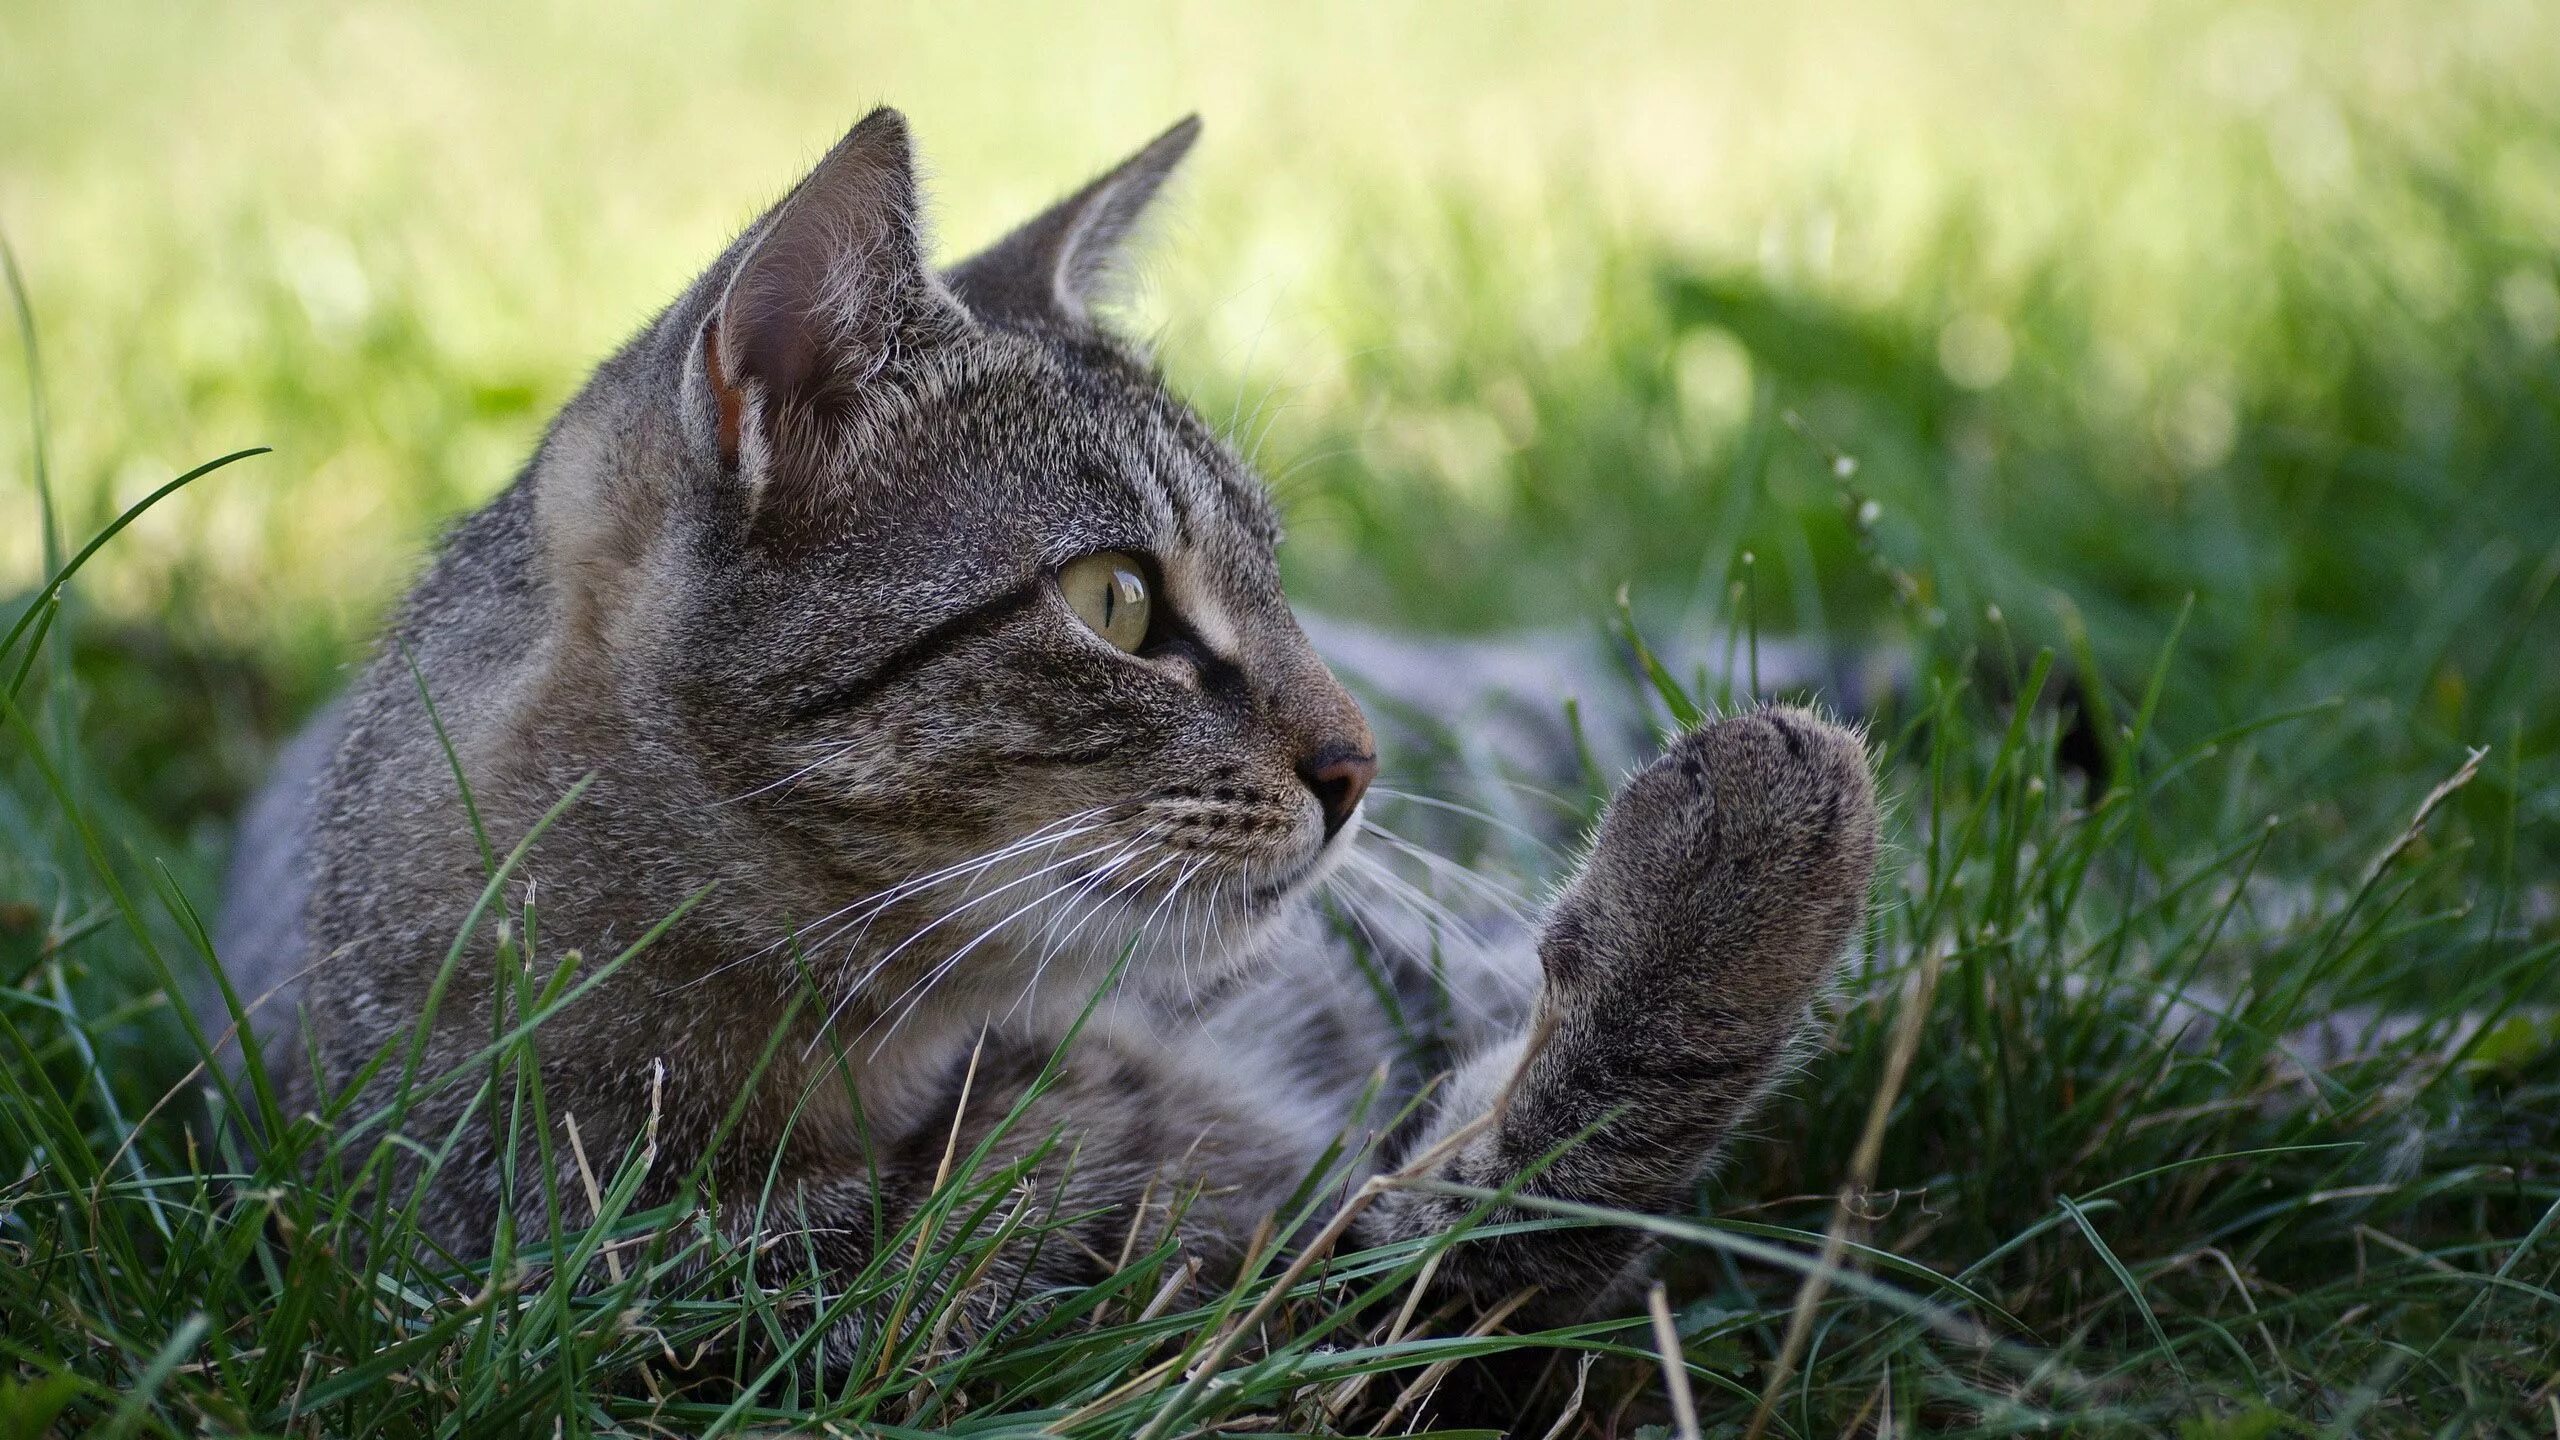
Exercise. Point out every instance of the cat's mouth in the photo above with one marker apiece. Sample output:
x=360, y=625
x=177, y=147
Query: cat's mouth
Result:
x=1310, y=872
x=1274, y=891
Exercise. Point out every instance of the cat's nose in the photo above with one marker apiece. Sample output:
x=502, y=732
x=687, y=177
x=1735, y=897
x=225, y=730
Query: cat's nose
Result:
x=1338, y=777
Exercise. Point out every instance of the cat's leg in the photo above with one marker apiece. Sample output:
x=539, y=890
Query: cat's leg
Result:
x=1680, y=966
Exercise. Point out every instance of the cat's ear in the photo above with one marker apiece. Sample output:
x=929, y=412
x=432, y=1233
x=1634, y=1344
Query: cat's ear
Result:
x=1055, y=266
x=830, y=298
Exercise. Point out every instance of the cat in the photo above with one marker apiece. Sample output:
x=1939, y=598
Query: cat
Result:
x=915, y=646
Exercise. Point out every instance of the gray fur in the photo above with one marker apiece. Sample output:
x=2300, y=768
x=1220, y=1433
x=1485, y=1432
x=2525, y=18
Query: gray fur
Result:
x=265, y=892
x=779, y=586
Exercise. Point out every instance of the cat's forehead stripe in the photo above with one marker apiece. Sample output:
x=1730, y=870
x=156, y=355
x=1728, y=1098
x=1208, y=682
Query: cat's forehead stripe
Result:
x=1182, y=481
x=1208, y=480
x=1178, y=492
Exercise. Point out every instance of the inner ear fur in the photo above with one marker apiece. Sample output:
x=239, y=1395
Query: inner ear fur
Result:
x=831, y=298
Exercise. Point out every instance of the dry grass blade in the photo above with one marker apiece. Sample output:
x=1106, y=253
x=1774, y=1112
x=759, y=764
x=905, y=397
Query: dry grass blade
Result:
x=954, y=1304
x=2463, y=775
x=1572, y=1410
x=587, y=1182
x=1432, y=1374
x=1675, y=1368
x=925, y=1232
x=1335, y=1228
x=1174, y=1284
x=1916, y=996
x=1350, y=1389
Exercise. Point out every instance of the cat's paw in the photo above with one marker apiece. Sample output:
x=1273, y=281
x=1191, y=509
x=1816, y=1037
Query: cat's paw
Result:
x=1739, y=859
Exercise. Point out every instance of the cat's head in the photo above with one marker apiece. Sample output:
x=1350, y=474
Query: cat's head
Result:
x=928, y=582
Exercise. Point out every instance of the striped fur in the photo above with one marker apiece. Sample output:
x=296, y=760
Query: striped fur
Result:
x=778, y=588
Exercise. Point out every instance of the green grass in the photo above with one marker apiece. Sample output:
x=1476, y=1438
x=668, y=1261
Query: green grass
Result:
x=2193, y=373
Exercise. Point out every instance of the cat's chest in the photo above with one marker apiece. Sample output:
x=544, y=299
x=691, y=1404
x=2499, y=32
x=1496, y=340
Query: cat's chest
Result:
x=895, y=1083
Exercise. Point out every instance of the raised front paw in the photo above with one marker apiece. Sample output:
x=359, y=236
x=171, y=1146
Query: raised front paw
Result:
x=1739, y=860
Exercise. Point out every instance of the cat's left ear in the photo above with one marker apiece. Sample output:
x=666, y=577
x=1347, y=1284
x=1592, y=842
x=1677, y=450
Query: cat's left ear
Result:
x=1057, y=265
x=830, y=301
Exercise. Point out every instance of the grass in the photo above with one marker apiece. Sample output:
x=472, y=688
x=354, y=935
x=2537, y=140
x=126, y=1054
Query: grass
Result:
x=2179, y=391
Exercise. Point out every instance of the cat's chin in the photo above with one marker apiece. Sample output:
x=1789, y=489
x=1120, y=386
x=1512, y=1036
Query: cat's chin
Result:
x=1241, y=934
x=1330, y=855
x=1275, y=895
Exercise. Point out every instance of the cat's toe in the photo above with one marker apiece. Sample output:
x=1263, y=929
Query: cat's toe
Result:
x=1788, y=779
x=1778, y=782
x=1726, y=875
x=1761, y=819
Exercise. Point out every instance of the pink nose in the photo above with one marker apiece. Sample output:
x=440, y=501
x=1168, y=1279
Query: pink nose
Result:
x=1338, y=778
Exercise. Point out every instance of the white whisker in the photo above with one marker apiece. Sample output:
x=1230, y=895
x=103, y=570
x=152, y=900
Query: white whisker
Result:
x=904, y=1006
x=1508, y=901
x=816, y=934
x=946, y=917
x=1469, y=811
x=1437, y=927
x=1436, y=914
x=1116, y=891
x=1052, y=943
x=1147, y=927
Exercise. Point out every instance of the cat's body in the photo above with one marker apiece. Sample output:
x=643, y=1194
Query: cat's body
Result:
x=801, y=590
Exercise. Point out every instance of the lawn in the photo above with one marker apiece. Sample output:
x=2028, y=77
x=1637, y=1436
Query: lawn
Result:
x=2169, y=392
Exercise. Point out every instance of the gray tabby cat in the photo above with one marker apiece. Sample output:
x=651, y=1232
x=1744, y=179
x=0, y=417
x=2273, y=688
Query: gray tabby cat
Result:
x=912, y=616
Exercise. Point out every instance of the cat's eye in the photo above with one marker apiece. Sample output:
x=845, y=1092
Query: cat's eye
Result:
x=1109, y=592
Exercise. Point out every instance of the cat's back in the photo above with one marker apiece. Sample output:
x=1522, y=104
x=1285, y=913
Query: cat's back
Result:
x=359, y=830
x=466, y=641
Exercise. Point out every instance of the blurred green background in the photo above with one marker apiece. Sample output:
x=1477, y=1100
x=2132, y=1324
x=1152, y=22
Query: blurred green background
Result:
x=2071, y=310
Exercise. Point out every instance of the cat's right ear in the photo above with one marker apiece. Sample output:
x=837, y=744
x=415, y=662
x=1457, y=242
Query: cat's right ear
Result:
x=1054, y=267
x=830, y=301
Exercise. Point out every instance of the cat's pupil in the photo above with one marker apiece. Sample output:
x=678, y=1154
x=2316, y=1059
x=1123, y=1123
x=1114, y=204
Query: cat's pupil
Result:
x=1109, y=592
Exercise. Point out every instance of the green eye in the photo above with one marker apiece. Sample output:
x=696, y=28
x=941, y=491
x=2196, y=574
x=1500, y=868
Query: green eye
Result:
x=1109, y=592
